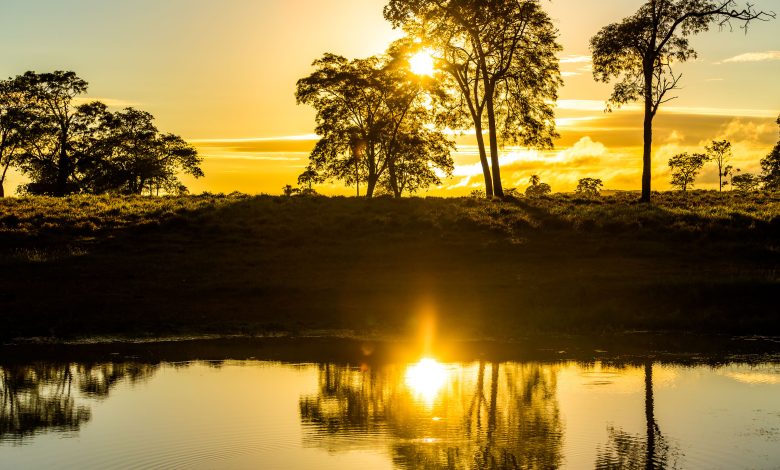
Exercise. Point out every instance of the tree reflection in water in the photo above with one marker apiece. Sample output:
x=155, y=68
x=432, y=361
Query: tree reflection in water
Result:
x=629, y=451
x=50, y=397
x=486, y=416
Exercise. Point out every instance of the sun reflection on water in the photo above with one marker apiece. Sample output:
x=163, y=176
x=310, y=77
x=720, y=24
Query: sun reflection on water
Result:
x=426, y=379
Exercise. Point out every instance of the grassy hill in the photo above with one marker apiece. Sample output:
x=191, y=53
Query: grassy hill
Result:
x=703, y=262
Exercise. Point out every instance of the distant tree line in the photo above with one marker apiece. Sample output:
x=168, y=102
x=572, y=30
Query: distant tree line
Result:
x=686, y=167
x=68, y=148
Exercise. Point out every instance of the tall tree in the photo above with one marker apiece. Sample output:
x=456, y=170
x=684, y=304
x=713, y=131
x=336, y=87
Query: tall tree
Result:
x=771, y=167
x=52, y=95
x=500, y=56
x=640, y=50
x=369, y=114
x=719, y=151
x=15, y=126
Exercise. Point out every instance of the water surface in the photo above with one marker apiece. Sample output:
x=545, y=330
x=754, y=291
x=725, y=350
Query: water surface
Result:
x=421, y=413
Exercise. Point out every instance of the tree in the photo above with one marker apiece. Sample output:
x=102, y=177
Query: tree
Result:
x=537, y=188
x=51, y=97
x=720, y=153
x=15, y=126
x=308, y=178
x=129, y=155
x=589, y=187
x=746, y=182
x=640, y=50
x=500, y=57
x=685, y=167
x=373, y=115
x=771, y=167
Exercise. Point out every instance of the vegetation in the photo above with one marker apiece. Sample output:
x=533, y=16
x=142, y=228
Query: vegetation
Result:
x=499, y=59
x=746, y=182
x=590, y=187
x=719, y=151
x=771, y=167
x=639, y=53
x=93, y=265
x=372, y=115
x=537, y=188
x=685, y=167
x=66, y=148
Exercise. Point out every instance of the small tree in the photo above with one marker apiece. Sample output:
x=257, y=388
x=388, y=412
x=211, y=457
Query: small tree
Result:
x=746, y=182
x=771, y=167
x=720, y=153
x=16, y=123
x=589, y=187
x=685, y=167
x=537, y=188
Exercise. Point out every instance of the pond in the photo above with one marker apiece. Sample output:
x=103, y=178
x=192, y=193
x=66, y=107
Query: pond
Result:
x=144, y=408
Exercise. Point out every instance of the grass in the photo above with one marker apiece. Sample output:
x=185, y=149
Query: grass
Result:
x=83, y=266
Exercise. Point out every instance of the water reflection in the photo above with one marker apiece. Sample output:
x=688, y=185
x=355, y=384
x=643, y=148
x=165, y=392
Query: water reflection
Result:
x=486, y=416
x=52, y=397
x=625, y=450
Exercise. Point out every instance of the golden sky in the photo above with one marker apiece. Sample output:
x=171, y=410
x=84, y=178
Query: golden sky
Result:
x=222, y=74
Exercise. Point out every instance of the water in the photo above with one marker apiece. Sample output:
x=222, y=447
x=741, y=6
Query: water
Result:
x=128, y=412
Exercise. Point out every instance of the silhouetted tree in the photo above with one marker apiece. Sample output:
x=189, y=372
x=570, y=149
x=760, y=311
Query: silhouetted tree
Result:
x=51, y=161
x=685, y=167
x=589, y=187
x=537, y=188
x=129, y=155
x=372, y=116
x=16, y=123
x=771, y=167
x=640, y=50
x=719, y=151
x=500, y=57
x=746, y=182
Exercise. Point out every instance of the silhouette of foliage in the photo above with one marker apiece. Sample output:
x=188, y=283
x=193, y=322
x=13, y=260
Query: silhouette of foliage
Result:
x=16, y=123
x=373, y=116
x=719, y=151
x=639, y=52
x=537, y=188
x=589, y=187
x=746, y=182
x=69, y=149
x=685, y=167
x=771, y=167
x=499, y=59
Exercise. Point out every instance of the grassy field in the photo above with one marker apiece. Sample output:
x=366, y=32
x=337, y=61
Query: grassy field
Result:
x=84, y=266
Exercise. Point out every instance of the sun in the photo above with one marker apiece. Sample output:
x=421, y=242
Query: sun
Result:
x=426, y=379
x=422, y=63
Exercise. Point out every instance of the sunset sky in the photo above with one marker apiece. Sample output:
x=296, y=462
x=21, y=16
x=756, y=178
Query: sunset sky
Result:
x=222, y=74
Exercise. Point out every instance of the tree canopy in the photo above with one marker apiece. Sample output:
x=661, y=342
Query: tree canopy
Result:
x=67, y=148
x=639, y=53
x=771, y=167
x=377, y=122
x=499, y=59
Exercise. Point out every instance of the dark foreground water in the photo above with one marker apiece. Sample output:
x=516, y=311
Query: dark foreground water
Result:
x=423, y=413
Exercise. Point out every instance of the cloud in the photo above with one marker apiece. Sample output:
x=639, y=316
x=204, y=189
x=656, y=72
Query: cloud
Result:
x=765, y=56
x=576, y=59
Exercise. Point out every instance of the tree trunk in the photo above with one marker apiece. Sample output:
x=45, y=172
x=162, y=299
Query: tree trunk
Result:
x=648, y=138
x=498, y=189
x=2, y=191
x=394, y=180
x=62, y=167
x=371, y=185
x=483, y=158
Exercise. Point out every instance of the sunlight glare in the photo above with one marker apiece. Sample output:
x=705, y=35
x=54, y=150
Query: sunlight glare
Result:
x=422, y=63
x=426, y=379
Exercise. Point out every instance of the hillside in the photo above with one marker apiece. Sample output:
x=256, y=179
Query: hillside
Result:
x=85, y=266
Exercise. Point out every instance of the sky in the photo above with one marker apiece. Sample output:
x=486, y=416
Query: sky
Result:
x=222, y=74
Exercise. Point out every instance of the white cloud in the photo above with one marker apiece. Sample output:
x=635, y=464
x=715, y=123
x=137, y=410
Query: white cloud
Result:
x=576, y=59
x=765, y=56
